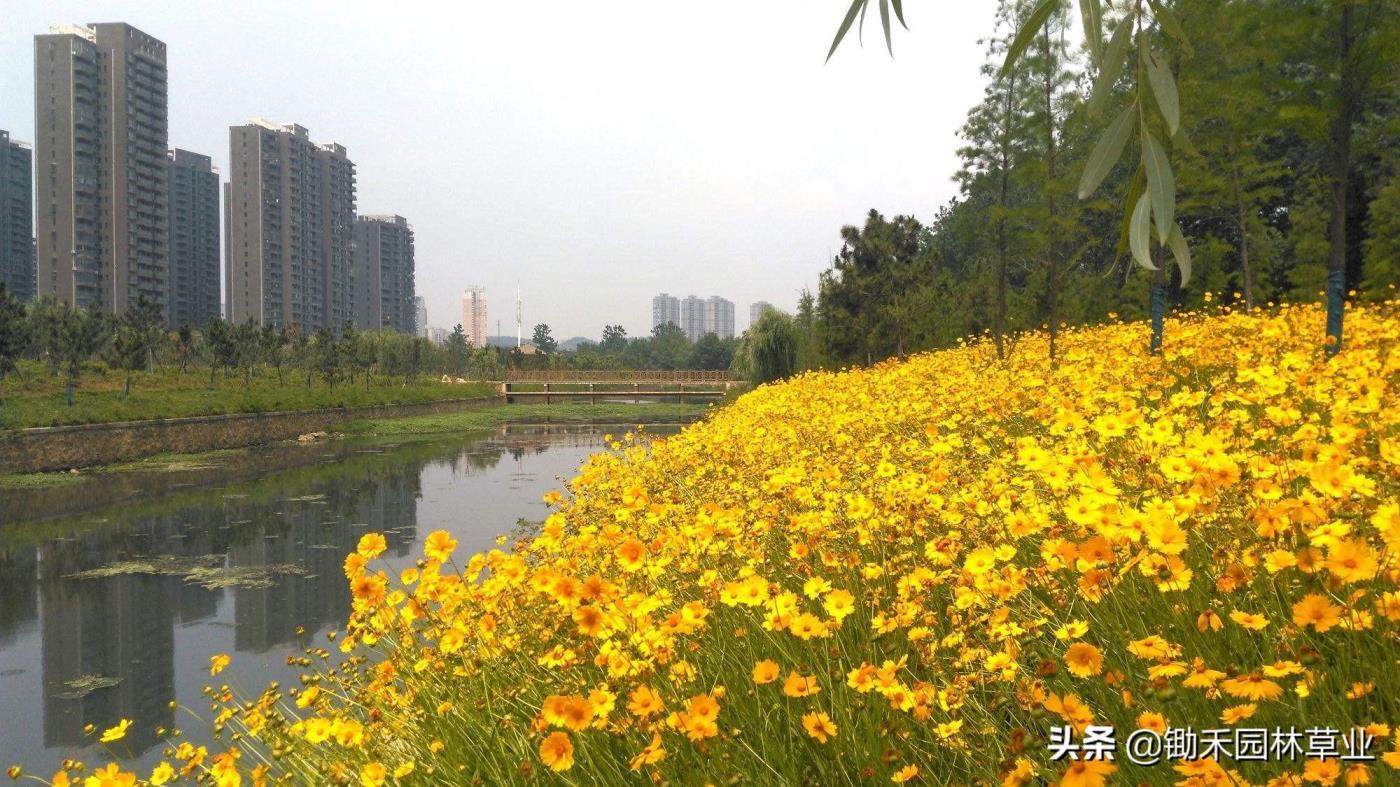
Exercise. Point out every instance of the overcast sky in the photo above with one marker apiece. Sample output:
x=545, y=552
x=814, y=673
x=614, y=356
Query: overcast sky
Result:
x=595, y=152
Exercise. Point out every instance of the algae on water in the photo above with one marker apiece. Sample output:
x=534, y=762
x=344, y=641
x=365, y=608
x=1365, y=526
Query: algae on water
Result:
x=207, y=571
x=85, y=685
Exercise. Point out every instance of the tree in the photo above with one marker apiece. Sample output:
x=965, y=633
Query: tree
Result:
x=769, y=348
x=184, y=346
x=14, y=334
x=274, y=341
x=247, y=347
x=614, y=339
x=542, y=340
x=457, y=351
x=668, y=348
x=223, y=347
x=81, y=334
x=326, y=356
x=712, y=353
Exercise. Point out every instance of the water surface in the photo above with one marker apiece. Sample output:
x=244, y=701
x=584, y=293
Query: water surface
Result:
x=115, y=591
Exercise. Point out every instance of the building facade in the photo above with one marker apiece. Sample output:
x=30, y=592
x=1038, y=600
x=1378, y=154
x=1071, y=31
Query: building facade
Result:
x=289, y=214
x=756, y=310
x=101, y=129
x=420, y=316
x=692, y=317
x=16, y=218
x=193, y=223
x=719, y=317
x=665, y=308
x=474, y=316
x=383, y=275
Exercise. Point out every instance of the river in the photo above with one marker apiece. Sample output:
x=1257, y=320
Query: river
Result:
x=115, y=590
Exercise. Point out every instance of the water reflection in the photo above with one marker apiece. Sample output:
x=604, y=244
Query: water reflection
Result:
x=118, y=609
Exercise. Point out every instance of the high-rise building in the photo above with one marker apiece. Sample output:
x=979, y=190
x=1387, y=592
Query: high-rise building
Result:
x=665, y=308
x=693, y=317
x=289, y=212
x=420, y=316
x=757, y=309
x=383, y=276
x=16, y=218
x=194, y=238
x=100, y=131
x=719, y=317
x=474, y=316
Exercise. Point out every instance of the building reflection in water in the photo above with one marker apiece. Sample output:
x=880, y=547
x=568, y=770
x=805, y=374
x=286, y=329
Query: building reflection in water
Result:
x=121, y=628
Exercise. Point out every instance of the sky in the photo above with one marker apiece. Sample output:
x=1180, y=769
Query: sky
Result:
x=592, y=153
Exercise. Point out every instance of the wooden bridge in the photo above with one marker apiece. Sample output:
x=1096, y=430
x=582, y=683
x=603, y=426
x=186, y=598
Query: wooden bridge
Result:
x=536, y=385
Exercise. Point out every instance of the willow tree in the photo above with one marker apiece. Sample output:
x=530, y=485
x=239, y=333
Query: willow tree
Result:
x=1135, y=48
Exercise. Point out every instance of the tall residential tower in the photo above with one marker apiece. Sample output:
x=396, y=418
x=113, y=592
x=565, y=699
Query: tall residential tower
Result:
x=665, y=308
x=194, y=238
x=383, y=277
x=474, y=316
x=16, y=218
x=100, y=132
x=289, y=211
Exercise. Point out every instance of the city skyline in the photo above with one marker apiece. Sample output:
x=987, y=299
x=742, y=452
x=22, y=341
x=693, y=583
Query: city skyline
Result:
x=754, y=207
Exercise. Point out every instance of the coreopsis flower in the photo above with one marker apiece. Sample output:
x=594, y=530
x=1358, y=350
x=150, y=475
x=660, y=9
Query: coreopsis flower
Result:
x=644, y=701
x=798, y=685
x=765, y=671
x=557, y=751
x=115, y=733
x=371, y=546
x=439, y=545
x=1087, y=773
x=1084, y=660
x=819, y=726
x=217, y=663
x=1318, y=611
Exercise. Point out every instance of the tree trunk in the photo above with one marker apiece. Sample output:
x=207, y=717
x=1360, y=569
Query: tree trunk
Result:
x=1157, y=303
x=1244, y=237
x=999, y=320
x=213, y=372
x=1341, y=165
x=1052, y=273
x=69, y=392
x=126, y=394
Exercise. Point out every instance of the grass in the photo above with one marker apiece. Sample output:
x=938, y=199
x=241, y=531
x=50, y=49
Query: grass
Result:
x=526, y=413
x=34, y=398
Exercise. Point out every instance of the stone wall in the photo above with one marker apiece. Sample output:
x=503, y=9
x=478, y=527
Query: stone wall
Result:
x=64, y=447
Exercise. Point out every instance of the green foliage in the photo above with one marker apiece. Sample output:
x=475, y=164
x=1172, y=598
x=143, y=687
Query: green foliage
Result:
x=768, y=351
x=542, y=340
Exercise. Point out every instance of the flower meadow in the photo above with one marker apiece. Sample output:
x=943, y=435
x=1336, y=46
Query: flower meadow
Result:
x=906, y=573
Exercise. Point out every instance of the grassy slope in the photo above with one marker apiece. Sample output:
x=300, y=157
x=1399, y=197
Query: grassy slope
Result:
x=33, y=398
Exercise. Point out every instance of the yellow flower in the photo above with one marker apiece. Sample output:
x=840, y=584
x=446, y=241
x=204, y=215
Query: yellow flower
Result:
x=798, y=685
x=116, y=733
x=1084, y=660
x=1238, y=713
x=819, y=726
x=371, y=546
x=557, y=751
x=904, y=774
x=839, y=604
x=650, y=755
x=1087, y=773
x=373, y=775
x=644, y=701
x=217, y=663
x=1250, y=620
x=765, y=671
x=1318, y=611
x=631, y=555
x=439, y=545
x=110, y=776
x=162, y=774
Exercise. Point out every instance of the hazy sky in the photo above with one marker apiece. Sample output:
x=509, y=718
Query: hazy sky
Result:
x=595, y=152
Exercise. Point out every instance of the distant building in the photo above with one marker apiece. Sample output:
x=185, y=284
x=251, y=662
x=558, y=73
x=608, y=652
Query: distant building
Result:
x=289, y=212
x=693, y=317
x=665, y=308
x=16, y=218
x=101, y=129
x=719, y=317
x=420, y=316
x=383, y=274
x=756, y=310
x=438, y=335
x=193, y=221
x=474, y=316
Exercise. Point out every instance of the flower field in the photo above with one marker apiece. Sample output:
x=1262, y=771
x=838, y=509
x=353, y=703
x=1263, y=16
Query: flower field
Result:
x=909, y=573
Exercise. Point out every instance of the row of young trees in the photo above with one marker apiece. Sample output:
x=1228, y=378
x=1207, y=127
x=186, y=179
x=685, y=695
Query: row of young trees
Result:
x=665, y=348
x=1214, y=146
x=68, y=340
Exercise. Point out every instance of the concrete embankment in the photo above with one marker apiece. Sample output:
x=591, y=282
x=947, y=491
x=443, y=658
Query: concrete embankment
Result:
x=64, y=447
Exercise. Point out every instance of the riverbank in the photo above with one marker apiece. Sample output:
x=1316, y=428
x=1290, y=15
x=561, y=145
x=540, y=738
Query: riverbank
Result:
x=649, y=412
x=439, y=423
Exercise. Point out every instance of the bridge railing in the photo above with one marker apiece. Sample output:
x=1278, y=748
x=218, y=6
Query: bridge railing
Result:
x=630, y=376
